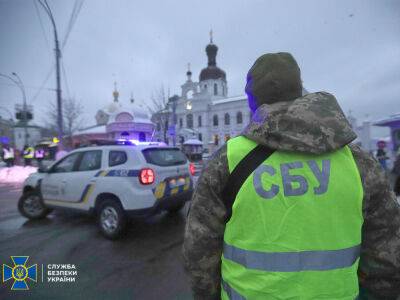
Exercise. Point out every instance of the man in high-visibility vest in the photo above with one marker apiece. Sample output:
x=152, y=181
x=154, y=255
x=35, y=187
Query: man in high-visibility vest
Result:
x=8, y=155
x=39, y=155
x=290, y=209
x=28, y=155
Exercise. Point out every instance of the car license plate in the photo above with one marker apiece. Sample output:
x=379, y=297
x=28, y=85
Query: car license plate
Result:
x=176, y=182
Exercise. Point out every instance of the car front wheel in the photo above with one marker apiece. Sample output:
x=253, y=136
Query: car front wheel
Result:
x=31, y=206
x=111, y=219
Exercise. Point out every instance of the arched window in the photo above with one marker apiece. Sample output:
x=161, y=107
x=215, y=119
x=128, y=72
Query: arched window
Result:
x=215, y=120
x=199, y=121
x=227, y=119
x=142, y=137
x=215, y=89
x=200, y=137
x=239, y=117
x=189, y=121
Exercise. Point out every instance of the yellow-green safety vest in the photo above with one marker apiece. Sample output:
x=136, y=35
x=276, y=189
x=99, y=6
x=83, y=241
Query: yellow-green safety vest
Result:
x=28, y=152
x=295, y=229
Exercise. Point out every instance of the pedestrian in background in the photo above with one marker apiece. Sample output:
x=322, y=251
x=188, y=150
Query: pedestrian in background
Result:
x=381, y=154
x=290, y=209
x=8, y=155
x=28, y=154
x=61, y=152
x=39, y=156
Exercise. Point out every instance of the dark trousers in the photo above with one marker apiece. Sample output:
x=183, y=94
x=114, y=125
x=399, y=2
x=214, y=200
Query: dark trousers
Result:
x=27, y=161
x=9, y=162
x=39, y=162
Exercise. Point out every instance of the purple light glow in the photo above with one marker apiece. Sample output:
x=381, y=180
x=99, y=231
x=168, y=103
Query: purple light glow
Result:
x=249, y=92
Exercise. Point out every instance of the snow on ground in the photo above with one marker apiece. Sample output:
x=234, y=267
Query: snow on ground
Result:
x=15, y=173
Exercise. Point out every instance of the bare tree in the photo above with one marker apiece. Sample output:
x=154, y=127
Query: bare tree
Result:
x=160, y=111
x=72, y=116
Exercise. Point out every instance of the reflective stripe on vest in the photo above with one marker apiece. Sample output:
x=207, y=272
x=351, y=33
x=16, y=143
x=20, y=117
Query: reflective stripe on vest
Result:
x=39, y=154
x=232, y=294
x=293, y=261
x=295, y=230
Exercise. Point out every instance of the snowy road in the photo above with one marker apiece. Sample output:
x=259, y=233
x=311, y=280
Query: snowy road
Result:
x=146, y=264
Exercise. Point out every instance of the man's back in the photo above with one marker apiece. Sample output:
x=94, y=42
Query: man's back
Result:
x=314, y=125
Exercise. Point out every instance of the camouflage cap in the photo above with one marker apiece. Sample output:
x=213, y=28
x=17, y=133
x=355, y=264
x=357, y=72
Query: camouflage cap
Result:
x=274, y=77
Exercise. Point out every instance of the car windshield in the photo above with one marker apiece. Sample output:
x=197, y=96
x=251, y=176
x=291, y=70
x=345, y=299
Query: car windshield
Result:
x=164, y=156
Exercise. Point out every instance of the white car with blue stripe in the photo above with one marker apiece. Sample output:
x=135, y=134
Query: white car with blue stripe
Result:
x=112, y=181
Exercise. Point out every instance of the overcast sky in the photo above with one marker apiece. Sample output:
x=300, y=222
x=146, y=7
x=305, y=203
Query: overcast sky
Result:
x=348, y=48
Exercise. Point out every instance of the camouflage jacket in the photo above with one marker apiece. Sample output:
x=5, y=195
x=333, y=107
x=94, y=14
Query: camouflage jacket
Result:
x=311, y=124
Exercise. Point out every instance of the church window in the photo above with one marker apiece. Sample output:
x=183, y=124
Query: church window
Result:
x=239, y=117
x=215, y=120
x=215, y=89
x=227, y=119
x=199, y=121
x=189, y=121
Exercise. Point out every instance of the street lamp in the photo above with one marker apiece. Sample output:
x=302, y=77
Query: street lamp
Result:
x=47, y=9
x=21, y=86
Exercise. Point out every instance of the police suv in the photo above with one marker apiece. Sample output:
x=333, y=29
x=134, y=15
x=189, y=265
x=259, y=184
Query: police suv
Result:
x=113, y=182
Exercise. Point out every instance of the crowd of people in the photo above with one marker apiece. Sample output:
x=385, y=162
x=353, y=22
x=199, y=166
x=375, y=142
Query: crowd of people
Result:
x=29, y=154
